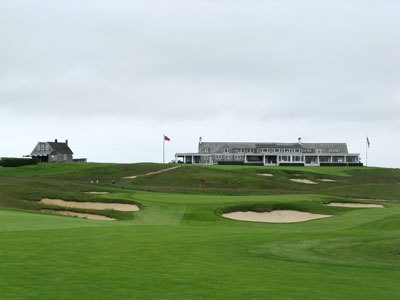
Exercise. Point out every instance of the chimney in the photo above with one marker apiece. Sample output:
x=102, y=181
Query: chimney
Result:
x=200, y=140
x=299, y=140
x=55, y=141
x=66, y=141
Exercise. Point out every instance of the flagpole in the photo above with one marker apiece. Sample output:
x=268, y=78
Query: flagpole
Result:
x=366, y=151
x=163, y=150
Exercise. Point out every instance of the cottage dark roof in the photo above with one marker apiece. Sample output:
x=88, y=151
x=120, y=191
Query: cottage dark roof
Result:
x=60, y=148
x=327, y=147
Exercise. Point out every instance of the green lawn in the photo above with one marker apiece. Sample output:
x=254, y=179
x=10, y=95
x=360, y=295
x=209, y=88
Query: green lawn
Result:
x=179, y=247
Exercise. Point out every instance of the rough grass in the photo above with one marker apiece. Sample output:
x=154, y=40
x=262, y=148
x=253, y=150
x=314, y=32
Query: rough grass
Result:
x=179, y=247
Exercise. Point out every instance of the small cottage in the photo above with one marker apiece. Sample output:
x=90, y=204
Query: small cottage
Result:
x=52, y=152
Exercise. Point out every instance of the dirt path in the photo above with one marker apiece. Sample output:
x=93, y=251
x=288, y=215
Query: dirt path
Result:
x=151, y=173
x=97, y=193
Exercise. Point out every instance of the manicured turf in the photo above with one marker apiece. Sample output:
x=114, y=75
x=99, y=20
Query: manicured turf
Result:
x=179, y=247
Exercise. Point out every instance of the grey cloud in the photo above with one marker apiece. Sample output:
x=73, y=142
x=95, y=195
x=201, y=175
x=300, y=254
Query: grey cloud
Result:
x=194, y=64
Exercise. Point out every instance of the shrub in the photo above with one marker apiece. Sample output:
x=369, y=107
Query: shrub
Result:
x=231, y=163
x=17, y=162
x=341, y=164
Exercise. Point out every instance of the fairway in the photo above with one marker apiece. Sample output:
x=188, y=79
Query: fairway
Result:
x=178, y=245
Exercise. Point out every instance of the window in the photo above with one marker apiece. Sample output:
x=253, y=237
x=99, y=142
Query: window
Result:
x=47, y=147
x=206, y=150
x=205, y=158
x=42, y=146
x=296, y=150
x=65, y=156
x=226, y=150
x=276, y=150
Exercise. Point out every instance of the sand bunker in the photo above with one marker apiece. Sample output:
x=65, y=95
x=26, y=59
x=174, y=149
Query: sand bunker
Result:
x=306, y=181
x=79, y=215
x=341, y=204
x=90, y=205
x=326, y=180
x=265, y=174
x=97, y=193
x=151, y=173
x=275, y=216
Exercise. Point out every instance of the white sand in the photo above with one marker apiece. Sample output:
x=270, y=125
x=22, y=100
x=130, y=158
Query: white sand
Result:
x=265, y=174
x=151, y=173
x=340, y=204
x=326, y=180
x=275, y=216
x=306, y=181
x=97, y=193
x=90, y=205
x=79, y=215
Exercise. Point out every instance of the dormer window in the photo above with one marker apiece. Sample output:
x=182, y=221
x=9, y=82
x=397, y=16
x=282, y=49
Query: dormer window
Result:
x=226, y=150
x=206, y=150
x=42, y=147
x=47, y=147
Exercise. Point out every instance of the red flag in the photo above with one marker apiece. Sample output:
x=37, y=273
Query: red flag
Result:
x=201, y=180
x=166, y=138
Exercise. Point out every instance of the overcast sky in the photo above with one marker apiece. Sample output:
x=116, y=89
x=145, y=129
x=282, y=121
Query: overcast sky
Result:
x=113, y=76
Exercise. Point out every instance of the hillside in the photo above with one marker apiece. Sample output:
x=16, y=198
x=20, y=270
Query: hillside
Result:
x=178, y=245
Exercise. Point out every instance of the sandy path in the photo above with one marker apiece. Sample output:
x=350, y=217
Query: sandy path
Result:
x=340, y=204
x=275, y=216
x=97, y=193
x=90, y=205
x=79, y=215
x=306, y=181
x=151, y=173
x=265, y=174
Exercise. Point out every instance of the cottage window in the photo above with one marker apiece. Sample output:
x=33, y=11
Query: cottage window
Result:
x=65, y=156
x=42, y=146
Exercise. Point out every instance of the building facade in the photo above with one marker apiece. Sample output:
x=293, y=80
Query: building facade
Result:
x=270, y=154
x=52, y=152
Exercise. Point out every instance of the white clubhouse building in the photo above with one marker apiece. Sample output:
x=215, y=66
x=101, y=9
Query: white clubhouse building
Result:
x=270, y=154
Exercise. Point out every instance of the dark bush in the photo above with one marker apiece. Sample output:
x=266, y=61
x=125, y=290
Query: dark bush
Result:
x=17, y=162
x=231, y=163
x=341, y=164
x=292, y=164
